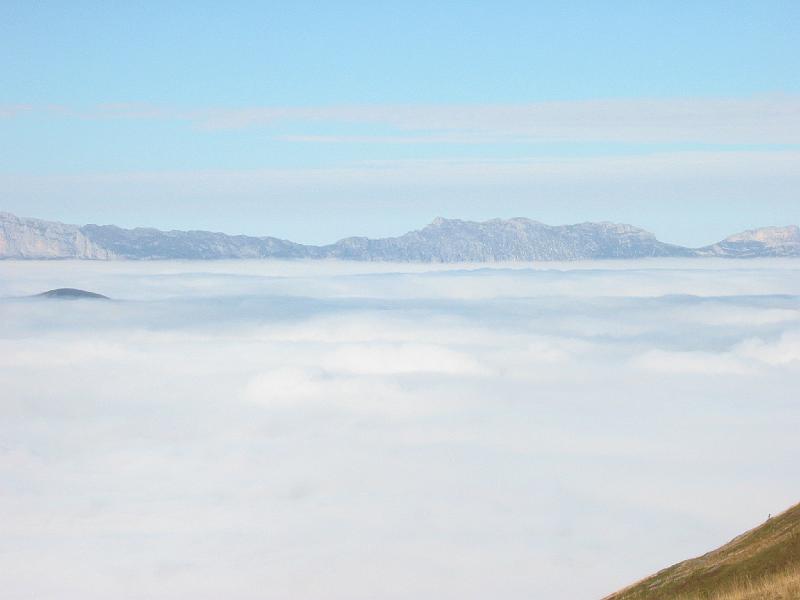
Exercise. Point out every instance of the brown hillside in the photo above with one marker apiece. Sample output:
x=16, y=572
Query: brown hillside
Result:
x=761, y=559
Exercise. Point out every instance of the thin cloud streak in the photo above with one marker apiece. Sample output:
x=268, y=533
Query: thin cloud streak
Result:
x=8, y=111
x=758, y=120
x=666, y=165
x=767, y=120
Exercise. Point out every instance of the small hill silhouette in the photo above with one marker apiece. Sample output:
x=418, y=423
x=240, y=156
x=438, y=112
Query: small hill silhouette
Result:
x=71, y=294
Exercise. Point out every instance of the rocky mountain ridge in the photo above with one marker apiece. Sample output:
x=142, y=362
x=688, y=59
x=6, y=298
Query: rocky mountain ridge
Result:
x=766, y=241
x=444, y=240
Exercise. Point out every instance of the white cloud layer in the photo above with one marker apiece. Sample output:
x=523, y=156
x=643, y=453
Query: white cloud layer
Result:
x=333, y=430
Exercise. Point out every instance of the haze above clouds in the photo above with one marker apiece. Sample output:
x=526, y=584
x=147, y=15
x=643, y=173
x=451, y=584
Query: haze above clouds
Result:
x=336, y=430
x=314, y=122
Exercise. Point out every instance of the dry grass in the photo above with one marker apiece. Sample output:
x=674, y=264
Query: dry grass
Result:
x=762, y=563
x=781, y=586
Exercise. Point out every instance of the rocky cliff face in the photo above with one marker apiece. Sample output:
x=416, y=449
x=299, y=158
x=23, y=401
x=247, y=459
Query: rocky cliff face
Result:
x=444, y=240
x=451, y=240
x=767, y=241
x=33, y=238
x=144, y=243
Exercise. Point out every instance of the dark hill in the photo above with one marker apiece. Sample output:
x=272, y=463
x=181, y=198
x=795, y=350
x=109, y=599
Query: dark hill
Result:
x=71, y=294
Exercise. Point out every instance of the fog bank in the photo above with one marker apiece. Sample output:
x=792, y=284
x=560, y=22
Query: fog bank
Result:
x=359, y=431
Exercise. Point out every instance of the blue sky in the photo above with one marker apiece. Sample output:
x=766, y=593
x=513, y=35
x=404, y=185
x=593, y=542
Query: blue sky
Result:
x=314, y=122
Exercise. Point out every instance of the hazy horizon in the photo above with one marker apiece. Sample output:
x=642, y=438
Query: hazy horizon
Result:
x=314, y=123
x=400, y=233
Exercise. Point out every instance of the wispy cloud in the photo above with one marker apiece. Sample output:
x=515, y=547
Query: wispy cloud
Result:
x=765, y=120
x=702, y=168
x=13, y=110
x=759, y=120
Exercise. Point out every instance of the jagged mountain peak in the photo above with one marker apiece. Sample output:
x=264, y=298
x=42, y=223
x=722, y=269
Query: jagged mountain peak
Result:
x=443, y=240
x=763, y=241
x=772, y=235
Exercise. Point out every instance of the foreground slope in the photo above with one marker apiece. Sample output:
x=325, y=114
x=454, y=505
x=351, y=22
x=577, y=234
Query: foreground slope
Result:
x=762, y=563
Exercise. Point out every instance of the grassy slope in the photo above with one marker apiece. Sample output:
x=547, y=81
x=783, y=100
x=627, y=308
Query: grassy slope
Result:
x=765, y=557
x=784, y=586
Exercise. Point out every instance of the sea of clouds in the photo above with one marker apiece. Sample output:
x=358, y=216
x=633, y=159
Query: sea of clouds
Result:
x=327, y=430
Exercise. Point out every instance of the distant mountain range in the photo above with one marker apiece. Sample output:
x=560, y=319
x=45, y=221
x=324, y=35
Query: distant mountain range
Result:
x=444, y=240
